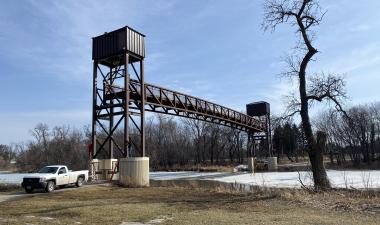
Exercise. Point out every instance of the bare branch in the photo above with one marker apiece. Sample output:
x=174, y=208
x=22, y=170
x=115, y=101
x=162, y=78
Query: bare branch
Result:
x=277, y=12
x=290, y=115
x=293, y=65
x=293, y=106
x=327, y=87
x=306, y=14
x=303, y=184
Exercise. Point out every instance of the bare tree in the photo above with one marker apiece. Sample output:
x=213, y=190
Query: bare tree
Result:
x=7, y=154
x=199, y=129
x=61, y=145
x=356, y=135
x=305, y=15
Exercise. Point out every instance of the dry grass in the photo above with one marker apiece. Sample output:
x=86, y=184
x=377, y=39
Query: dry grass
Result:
x=366, y=201
x=177, y=205
x=10, y=188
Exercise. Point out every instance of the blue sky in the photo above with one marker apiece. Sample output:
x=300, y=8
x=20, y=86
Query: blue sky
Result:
x=212, y=49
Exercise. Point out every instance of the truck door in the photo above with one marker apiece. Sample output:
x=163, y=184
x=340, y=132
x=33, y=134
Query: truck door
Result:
x=63, y=176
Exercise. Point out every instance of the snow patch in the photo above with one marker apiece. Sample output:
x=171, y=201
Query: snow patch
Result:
x=160, y=220
x=339, y=179
x=151, y=222
x=30, y=216
x=46, y=218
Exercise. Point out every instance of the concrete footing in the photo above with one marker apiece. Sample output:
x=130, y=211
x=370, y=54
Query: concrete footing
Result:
x=251, y=164
x=134, y=172
x=95, y=164
x=272, y=163
x=103, y=168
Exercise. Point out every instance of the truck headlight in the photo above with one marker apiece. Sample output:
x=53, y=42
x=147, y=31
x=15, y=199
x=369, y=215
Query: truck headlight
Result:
x=42, y=179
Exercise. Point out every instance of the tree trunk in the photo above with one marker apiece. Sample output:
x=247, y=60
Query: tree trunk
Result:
x=321, y=182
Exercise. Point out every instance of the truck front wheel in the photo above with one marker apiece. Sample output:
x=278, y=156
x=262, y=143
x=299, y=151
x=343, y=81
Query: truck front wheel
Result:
x=50, y=186
x=79, y=182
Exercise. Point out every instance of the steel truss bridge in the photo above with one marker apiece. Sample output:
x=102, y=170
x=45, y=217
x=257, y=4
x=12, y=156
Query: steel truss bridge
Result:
x=121, y=97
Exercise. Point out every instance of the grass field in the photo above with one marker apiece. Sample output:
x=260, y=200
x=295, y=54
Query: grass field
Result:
x=176, y=205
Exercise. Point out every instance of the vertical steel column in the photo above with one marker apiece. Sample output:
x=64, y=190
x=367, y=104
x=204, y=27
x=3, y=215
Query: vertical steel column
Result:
x=126, y=106
x=252, y=144
x=249, y=145
x=110, y=143
x=142, y=109
x=94, y=102
x=269, y=135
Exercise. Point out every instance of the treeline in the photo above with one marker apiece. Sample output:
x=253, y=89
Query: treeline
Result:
x=353, y=136
x=288, y=141
x=7, y=155
x=59, y=145
x=170, y=141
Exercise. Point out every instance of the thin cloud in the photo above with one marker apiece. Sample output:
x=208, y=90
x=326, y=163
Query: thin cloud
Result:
x=357, y=58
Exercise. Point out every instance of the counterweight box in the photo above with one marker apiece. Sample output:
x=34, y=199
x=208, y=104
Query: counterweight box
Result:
x=258, y=108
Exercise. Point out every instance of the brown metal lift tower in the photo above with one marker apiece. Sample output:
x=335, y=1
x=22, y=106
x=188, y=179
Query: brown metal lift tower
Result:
x=121, y=97
x=118, y=59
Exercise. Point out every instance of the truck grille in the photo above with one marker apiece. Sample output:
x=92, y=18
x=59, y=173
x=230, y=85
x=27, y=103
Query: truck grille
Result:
x=31, y=180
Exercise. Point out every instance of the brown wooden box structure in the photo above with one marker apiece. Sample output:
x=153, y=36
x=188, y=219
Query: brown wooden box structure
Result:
x=118, y=42
x=258, y=108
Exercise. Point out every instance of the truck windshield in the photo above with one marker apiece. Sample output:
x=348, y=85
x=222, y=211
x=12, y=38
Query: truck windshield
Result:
x=48, y=169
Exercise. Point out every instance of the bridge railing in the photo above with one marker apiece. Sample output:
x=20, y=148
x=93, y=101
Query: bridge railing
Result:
x=163, y=100
x=164, y=97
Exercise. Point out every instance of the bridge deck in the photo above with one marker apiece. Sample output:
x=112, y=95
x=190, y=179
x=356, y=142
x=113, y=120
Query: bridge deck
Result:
x=163, y=100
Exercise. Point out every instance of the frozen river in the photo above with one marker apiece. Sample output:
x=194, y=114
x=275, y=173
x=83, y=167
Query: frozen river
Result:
x=339, y=179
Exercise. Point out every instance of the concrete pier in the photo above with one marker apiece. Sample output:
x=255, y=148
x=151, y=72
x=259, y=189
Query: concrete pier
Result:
x=272, y=163
x=251, y=164
x=134, y=172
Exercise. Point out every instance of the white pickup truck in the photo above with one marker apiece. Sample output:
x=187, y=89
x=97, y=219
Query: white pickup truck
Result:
x=50, y=177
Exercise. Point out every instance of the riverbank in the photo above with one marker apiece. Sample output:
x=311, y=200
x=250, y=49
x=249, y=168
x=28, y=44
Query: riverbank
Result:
x=177, y=205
